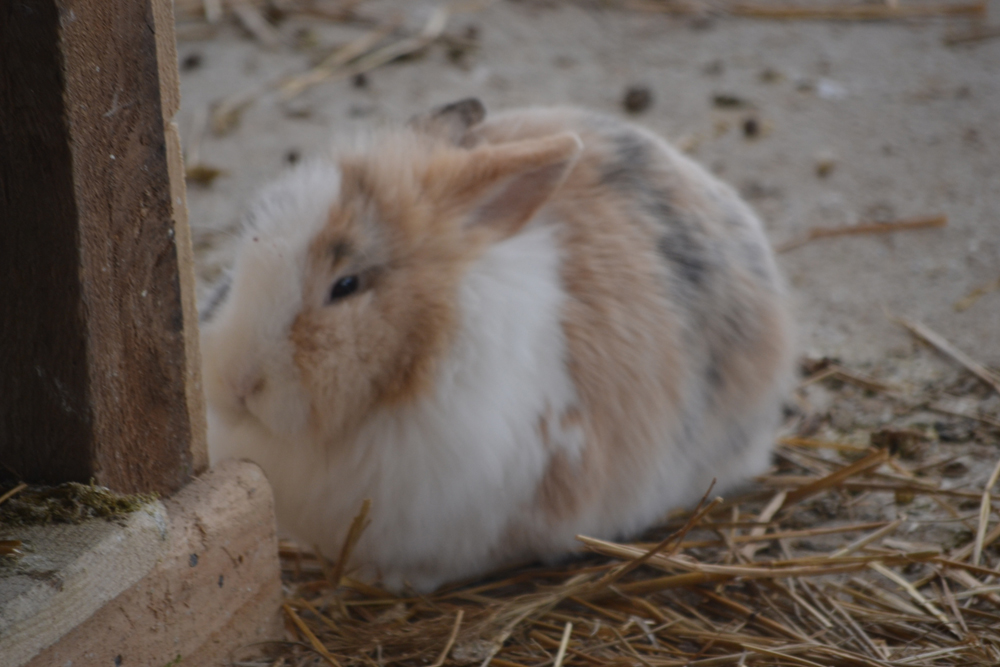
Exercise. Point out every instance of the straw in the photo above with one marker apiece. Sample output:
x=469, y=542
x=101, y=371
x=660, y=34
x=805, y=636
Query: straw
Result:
x=985, y=509
x=856, y=12
x=933, y=338
x=358, y=526
x=308, y=634
x=9, y=494
x=933, y=222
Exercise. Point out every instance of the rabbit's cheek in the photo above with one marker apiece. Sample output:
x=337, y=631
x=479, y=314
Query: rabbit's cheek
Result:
x=281, y=404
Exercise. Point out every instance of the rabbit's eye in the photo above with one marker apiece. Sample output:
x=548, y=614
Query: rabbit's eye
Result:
x=344, y=287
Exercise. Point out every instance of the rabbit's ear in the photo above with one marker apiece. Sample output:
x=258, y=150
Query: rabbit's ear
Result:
x=450, y=122
x=504, y=185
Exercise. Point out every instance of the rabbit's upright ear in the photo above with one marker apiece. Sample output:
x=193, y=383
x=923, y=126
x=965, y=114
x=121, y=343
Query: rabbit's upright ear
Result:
x=450, y=122
x=504, y=185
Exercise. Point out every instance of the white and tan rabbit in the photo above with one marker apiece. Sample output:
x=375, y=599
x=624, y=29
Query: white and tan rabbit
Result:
x=504, y=332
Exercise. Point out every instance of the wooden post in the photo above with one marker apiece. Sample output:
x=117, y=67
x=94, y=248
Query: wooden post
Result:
x=98, y=332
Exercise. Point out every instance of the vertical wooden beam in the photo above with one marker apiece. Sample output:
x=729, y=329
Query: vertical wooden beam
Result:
x=170, y=103
x=94, y=357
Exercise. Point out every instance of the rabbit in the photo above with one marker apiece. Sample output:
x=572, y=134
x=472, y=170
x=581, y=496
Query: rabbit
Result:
x=504, y=332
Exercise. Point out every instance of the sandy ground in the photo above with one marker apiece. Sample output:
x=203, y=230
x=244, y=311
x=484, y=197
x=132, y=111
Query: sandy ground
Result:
x=906, y=126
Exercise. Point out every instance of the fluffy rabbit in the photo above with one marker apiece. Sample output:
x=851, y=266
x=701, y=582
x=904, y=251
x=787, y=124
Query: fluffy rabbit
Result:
x=504, y=332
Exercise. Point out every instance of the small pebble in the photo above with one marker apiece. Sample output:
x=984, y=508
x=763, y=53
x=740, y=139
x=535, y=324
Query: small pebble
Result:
x=728, y=101
x=191, y=61
x=828, y=89
x=751, y=128
x=456, y=53
x=902, y=443
x=293, y=156
x=713, y=68
x=953, y=431
x=825, y=163
x=637, y=99
x=805, y=85
x=770, y=75
x=460, y=48
x=954, y=469
x=298, y=110
x=359, y=80
x=274, y=14
x=702, y=21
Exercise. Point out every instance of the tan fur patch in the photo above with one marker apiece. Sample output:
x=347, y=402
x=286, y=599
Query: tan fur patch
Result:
x=628, y=355
x=623, y=352
x=620, y=337
x=558, y=494
x=399, y=226
x=571, y=418
x=380, y=346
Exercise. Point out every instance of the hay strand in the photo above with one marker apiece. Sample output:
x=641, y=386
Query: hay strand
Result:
x=13, y=492
x=933, y=222
x=985, y=509
x=358, y=526
x=833, y=12
x=563, y=643
x=451, y=639
x=938, y=341
x=969, y=299
x=313, y=640
x=873, y=460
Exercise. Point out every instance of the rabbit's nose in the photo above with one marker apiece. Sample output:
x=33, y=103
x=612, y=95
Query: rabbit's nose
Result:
x=247, y=385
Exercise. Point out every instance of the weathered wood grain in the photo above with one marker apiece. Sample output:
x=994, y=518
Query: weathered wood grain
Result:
x=170, y=103
x=93, y=359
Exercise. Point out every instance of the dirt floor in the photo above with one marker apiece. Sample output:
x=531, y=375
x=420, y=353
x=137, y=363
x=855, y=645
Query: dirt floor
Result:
x=818, y=123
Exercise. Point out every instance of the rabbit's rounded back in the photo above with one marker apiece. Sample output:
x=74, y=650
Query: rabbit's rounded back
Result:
x=504, y=332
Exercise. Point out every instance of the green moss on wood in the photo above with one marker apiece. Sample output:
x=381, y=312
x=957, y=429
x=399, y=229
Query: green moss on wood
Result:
x=67, y=503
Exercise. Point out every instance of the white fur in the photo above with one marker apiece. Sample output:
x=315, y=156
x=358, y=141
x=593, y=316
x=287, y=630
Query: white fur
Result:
x=449, y=474
x=267, y=278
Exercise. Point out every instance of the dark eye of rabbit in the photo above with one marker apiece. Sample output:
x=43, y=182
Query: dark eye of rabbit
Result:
x=344, y=287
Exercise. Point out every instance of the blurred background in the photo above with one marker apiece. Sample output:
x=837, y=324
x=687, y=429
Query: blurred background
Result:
x=833, y=120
